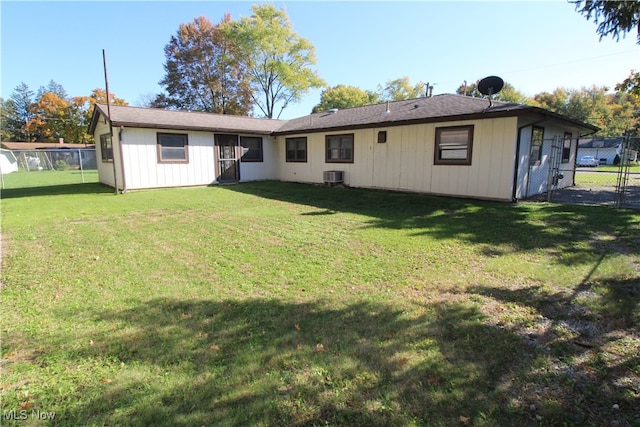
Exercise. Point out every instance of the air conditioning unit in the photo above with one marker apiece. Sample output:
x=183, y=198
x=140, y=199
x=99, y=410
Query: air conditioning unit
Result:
x=332, y=177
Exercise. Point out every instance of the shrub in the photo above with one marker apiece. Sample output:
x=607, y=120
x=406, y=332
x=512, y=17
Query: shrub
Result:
x=61, y=165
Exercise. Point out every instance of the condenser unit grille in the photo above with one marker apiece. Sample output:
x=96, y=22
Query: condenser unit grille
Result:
x=332, y=177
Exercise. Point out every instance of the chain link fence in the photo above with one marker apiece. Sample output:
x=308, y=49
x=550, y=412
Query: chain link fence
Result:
x=607, y=173
x=47, y=167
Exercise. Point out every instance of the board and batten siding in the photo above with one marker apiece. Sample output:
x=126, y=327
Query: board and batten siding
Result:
x=260, y=171
x=105, y=169
x=406, y=161
x=142, y=169
x=533, y=178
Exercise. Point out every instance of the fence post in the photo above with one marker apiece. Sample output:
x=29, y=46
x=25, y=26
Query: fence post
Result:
x=81, y=168
x=623, y=173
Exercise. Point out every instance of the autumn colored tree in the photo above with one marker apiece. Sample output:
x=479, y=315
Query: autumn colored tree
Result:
x=50, y=117
x=612, y=113
x=279, y=60
x=81, y=110
x=342, y=96
x=204, y=71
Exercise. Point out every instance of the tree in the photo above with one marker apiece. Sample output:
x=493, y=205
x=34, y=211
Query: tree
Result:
x=614, y=18
x=511, y=94
x=629, y=88
x=279, y=60
x=612, y=113
x=631, y=85
x=18, y=113
x=401, y=89
x=81, y=110
x=342, y=96
x=204, y=71
x=6, y=111
x=50, y=117
x=99, y=96
x=52, y=87
x=508, y=93
x=468, y=89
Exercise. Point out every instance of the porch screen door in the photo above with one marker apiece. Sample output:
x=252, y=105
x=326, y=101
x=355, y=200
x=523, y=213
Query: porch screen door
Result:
x=226, y=150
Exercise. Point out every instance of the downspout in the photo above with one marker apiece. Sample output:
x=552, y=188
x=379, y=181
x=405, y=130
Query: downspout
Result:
x=124, y=180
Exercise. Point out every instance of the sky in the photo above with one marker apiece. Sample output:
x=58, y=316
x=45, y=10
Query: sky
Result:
x=536, y=46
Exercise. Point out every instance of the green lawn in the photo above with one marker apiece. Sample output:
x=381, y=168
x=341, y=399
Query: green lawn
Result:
x=632, y=168
x=23, y=179
x=287, y=304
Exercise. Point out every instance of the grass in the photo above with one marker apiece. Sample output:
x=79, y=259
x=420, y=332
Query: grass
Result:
x=286, y=304
x=632, y=168
x=24, y=179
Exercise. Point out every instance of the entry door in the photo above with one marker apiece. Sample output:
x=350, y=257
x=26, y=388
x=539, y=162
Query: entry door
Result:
x=226, y=150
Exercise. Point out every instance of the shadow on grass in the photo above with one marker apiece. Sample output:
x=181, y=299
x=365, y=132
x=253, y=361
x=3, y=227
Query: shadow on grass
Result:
x=55, y=190
x=591, y=337
x=266, y=362
x=498, y=227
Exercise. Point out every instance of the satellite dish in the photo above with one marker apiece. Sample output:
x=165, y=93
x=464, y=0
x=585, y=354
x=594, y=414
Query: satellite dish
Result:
x=490, y=86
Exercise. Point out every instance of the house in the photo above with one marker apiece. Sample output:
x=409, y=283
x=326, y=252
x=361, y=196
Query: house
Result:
x=604, y=149
x=446, y=144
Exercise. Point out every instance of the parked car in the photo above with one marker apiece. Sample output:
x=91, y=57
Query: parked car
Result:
x=590, y=161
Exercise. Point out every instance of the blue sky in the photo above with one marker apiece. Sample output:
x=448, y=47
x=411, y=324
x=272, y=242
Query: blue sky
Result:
x=535, y=46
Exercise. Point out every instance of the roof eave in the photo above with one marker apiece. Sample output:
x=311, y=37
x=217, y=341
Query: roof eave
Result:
x=97, y=111
x=392, y=123
x=188, y=128
x=441, y=119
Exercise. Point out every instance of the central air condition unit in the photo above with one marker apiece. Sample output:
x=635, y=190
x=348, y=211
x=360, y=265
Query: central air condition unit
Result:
x=332, y=177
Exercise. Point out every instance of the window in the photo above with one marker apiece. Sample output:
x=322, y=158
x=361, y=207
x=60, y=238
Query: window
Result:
x=535, y=154
x=566, y=147
x=251, y=148
x=382, y=137
x=173, y=148
x=296, y=149
x=106, y=148
x=339, y=148
x=453, y=145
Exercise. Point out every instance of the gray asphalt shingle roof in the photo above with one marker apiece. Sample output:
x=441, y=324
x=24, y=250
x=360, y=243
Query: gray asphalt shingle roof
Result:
x=601, y=143
x=185, y=120
x=444, y=107
x=398, y=112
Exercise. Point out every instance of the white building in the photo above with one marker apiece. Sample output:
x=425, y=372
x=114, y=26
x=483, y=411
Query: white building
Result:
x=446, y=144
